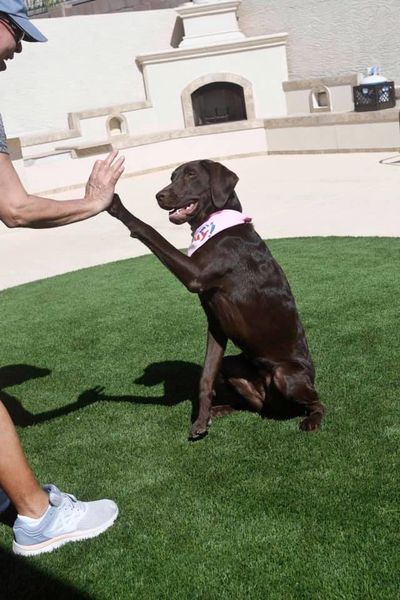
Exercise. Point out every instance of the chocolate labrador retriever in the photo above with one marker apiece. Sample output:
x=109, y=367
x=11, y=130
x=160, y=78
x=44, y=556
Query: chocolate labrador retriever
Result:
x=242, y=289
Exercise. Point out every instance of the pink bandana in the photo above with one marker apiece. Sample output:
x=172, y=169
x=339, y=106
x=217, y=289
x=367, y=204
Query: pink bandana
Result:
x=217, y=222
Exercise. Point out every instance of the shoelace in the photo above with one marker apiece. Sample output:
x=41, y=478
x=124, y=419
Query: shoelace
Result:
x=69, y=508
x=71, y=503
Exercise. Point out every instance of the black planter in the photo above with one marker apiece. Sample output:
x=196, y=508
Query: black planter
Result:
x=374, y=96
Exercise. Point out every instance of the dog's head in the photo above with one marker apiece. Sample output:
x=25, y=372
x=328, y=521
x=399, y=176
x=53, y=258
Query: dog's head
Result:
x=197, y=189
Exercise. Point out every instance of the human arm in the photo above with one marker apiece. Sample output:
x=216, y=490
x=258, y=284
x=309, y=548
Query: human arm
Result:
x=20, y=209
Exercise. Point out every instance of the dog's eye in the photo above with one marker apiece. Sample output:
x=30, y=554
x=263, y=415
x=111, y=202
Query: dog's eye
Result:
x=190, y=173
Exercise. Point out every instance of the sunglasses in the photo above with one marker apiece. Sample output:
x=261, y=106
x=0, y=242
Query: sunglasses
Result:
x=16, y=32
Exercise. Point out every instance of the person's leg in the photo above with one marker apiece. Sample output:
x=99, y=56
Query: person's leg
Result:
x=16, y=477
x=47, y=518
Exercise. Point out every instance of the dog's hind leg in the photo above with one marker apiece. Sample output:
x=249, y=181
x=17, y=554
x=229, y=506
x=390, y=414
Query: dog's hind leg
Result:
x=246, y=380
x=295, y=383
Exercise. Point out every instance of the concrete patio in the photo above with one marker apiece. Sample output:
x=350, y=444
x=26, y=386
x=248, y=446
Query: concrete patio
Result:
x=287, y=196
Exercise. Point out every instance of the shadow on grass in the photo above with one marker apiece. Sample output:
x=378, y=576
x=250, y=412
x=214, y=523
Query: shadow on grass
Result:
x=20, y=579
x=179, y=378
x=12, y=375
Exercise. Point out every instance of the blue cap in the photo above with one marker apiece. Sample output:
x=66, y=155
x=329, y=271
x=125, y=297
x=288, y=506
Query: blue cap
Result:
x=17, y=12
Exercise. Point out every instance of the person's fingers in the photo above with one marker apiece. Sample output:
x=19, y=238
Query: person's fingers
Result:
x=119, y=162
x=105, y=174
x=118, y=173
x=119, y=165
x=111, y=169
x=109, y=162
x=113, y=172
x=96, y=170
x=110, y=158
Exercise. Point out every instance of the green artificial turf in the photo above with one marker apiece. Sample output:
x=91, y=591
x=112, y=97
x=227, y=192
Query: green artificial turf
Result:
x=256, y=510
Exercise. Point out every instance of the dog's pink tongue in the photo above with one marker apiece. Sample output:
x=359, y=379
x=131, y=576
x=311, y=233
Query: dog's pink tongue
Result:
x=177, y=217
x=181, y=214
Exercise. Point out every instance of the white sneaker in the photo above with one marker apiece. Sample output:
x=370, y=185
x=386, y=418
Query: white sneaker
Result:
x=66, y=520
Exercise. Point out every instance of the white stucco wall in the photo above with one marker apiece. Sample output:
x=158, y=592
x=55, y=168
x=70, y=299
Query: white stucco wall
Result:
x=330, y=37
x=89, y=61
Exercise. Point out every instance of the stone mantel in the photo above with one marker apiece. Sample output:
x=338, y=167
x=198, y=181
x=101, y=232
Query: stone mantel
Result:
x=253, y=43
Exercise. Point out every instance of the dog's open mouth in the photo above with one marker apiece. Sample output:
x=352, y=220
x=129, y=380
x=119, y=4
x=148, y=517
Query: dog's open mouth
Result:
x=181, y=215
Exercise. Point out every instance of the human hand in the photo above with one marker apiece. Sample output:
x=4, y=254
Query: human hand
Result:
x=103, y=178
x=95, y=394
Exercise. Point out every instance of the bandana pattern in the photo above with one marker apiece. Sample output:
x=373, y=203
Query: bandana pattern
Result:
x=218, y=221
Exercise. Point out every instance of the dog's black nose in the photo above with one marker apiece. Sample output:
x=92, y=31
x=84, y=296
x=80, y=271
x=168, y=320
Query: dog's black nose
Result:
x=161, y=196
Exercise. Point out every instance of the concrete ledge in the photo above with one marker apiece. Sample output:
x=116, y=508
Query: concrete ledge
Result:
x=74, y=119
x=325, y=133
x=347, y=118
x=307, y=84
x=44, y=138
x=14, y=148
x=91, y=150
x=334, y=136
x=107, y=110
x=123, y=142
x=29, y=161
x=297, y=123
x=153, y=138
x=332, y=151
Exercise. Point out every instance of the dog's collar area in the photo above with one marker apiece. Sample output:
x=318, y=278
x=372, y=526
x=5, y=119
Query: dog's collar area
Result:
x=217, y=222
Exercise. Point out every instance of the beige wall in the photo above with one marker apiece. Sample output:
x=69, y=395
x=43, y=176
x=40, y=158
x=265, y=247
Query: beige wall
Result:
x=88, y=62
x=330, y=37
x=326, y=37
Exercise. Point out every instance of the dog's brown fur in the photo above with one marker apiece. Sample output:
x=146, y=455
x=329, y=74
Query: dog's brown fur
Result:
x=244, y=293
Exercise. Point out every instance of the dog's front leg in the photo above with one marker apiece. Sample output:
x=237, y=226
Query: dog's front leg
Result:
x=179, y=264
x=216, y=344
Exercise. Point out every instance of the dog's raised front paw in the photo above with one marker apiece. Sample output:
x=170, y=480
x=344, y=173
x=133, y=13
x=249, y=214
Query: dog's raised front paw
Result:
x=116, y=207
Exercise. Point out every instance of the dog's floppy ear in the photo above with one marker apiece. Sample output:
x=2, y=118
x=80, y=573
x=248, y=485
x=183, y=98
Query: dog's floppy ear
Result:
x=222, y=182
